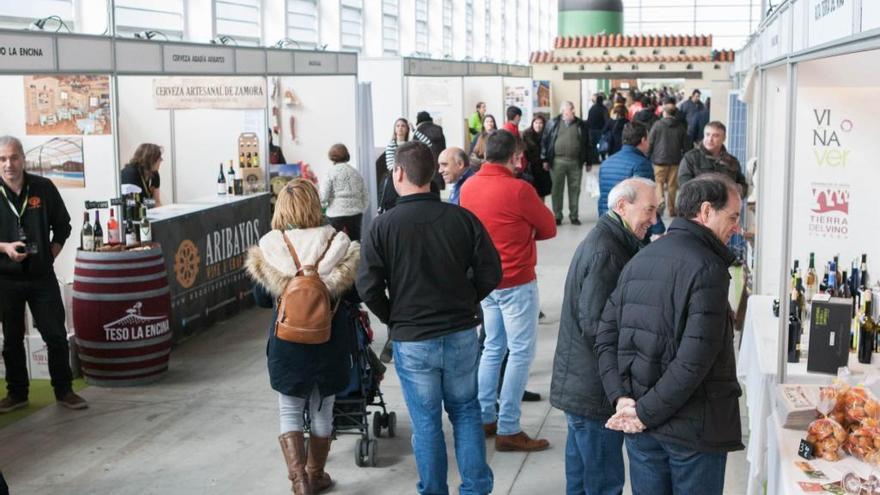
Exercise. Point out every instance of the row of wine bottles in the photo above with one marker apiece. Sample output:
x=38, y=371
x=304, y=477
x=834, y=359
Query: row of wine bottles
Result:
x=854, y=285
x=136, y=227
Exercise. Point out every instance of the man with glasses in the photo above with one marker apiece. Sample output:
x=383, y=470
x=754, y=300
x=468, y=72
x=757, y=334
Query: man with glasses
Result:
x=32, y=210
x=665, y=348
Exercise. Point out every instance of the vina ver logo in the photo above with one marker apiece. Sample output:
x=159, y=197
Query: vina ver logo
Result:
x=829, y=200
x=827, y=137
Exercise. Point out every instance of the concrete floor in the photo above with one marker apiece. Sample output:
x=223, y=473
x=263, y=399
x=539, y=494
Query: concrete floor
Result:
x=210, y=426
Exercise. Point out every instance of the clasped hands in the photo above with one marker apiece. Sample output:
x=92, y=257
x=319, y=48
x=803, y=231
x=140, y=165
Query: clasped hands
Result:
x=625, y=419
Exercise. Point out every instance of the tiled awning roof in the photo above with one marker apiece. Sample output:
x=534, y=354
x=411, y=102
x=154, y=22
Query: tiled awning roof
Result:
x=635, y=41
x=552, y=58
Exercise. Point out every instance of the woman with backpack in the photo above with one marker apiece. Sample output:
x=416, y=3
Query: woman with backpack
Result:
x=301, y=246
x=612, y=135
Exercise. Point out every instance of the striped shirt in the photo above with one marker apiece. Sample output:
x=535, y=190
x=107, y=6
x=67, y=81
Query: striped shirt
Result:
x=391, y=148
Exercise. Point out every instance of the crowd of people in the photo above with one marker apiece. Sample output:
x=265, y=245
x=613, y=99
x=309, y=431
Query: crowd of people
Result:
x=644, y=354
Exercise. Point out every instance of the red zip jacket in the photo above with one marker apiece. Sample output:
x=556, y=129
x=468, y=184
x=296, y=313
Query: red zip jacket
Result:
x=514, y=216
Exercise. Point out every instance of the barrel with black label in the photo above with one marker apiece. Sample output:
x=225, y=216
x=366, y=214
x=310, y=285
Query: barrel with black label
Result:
x=122, y=316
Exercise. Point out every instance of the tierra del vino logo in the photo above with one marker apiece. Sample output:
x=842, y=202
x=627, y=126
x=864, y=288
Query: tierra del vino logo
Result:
x=828, y=149
x=829, y=210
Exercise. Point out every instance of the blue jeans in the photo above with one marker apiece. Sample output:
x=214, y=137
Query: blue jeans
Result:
x=510, y=320
x=663, y=468
x=436, y=374
x=593, y=458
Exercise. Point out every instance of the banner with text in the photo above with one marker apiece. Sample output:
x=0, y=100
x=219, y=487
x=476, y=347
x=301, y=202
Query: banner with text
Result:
x=209, y=92
x=835, y=175
x=204, y=256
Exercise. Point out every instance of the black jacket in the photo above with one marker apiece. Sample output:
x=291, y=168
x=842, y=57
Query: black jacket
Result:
x=45, y=221
x=668, y=141
x=576, y=387
x=436, y=261
x=614, y=132
x=588, y=155
x=698, y=161
x=697, y=125
x=541, y=178
x=666, y=340
x=597, y=117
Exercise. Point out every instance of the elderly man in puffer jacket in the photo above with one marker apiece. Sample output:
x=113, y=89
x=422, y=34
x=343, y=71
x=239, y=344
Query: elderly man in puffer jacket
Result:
x=665, y=347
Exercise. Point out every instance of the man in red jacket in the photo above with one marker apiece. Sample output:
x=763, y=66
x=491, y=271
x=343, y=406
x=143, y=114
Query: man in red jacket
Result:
x=515, y=218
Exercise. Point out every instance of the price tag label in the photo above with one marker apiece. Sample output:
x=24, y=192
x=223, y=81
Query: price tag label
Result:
x=94, y=205
x=806, y=450
x=117, y=201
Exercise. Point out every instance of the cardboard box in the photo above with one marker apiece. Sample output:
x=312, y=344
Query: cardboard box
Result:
x=38, y=357
x=830, y=325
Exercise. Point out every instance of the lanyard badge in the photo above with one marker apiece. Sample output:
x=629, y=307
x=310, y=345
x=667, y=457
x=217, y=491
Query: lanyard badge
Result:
x=18, y=212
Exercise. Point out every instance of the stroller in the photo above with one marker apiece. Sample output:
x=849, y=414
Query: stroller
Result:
x=350, y=414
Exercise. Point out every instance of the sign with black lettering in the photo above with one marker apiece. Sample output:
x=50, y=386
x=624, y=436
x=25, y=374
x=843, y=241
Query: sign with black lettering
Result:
x=204, y=254
x=26, y=53
x=198, y=59
x=209, y=92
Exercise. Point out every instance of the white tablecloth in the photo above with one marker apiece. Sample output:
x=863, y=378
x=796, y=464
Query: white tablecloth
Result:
x=756, y=368
x=783, y=475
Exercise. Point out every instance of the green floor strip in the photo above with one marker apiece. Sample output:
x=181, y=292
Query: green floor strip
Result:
x=40, y=396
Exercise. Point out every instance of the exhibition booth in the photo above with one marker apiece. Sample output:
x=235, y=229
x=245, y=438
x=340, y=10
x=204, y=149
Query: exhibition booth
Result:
x=448, y=90
x=173, y=257
x=808, y=76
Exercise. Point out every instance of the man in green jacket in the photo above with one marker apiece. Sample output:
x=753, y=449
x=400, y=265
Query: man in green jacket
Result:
x=475, y=122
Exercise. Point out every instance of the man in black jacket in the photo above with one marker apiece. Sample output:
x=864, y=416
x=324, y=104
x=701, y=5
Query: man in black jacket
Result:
x=593, y=453
x=437, y=263
x=425, y=124
x=33, y=209
x=566, y=149
x=711, y=156
x=665, y=346
x=667, y=143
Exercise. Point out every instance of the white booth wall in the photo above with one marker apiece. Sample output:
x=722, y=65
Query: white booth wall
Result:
x=442, y=97
x=100, y=171
x=203, y=138
x=386, y=76
x=835, y=157
x=326, y=115
x=771, y=183
x=489, y=89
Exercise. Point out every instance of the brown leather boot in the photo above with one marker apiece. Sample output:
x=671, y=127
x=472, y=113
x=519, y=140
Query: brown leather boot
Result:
x=319, y=448
x=294, y=448
x=490, y=429
x=520, y=442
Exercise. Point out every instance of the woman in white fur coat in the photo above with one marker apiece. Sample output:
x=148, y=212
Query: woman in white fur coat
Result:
x=302, y=371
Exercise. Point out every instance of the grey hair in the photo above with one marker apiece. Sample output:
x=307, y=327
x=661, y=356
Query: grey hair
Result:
x=628, y=190
x=461, y=157
x=12, y=141
x=566, y=103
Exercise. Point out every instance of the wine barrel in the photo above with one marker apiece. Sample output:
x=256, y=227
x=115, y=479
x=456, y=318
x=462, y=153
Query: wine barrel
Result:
x=122, y=316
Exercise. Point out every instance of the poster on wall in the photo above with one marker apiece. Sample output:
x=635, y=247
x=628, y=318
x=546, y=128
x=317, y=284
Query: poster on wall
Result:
x=519, y=95
x=59, y=159
x=541, y=97
x=67, y=105
x=432, y=93
x=209, y=92
x=835, y=175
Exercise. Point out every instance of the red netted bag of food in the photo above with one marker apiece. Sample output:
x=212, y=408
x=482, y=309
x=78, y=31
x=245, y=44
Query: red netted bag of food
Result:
x=827, y=437
x=863, y=442
x=856, y=404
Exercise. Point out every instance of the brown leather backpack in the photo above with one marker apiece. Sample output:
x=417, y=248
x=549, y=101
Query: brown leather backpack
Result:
x=305, y=309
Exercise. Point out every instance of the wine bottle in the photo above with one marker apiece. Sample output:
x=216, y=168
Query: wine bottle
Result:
x=241, y=162
x=832, y=279
x=247, y=160
x=823, y=287
x=221, y=182
x=112, y=228
x=87, y=234
x=811, y=278
x=843, y=290
x=868, y=329
x=99, y=231
x=130, y=235
x=839, y=277
x=256, y=160
x=794, y=330
x=230, y=178
x=146, y=230
x=863, y=270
